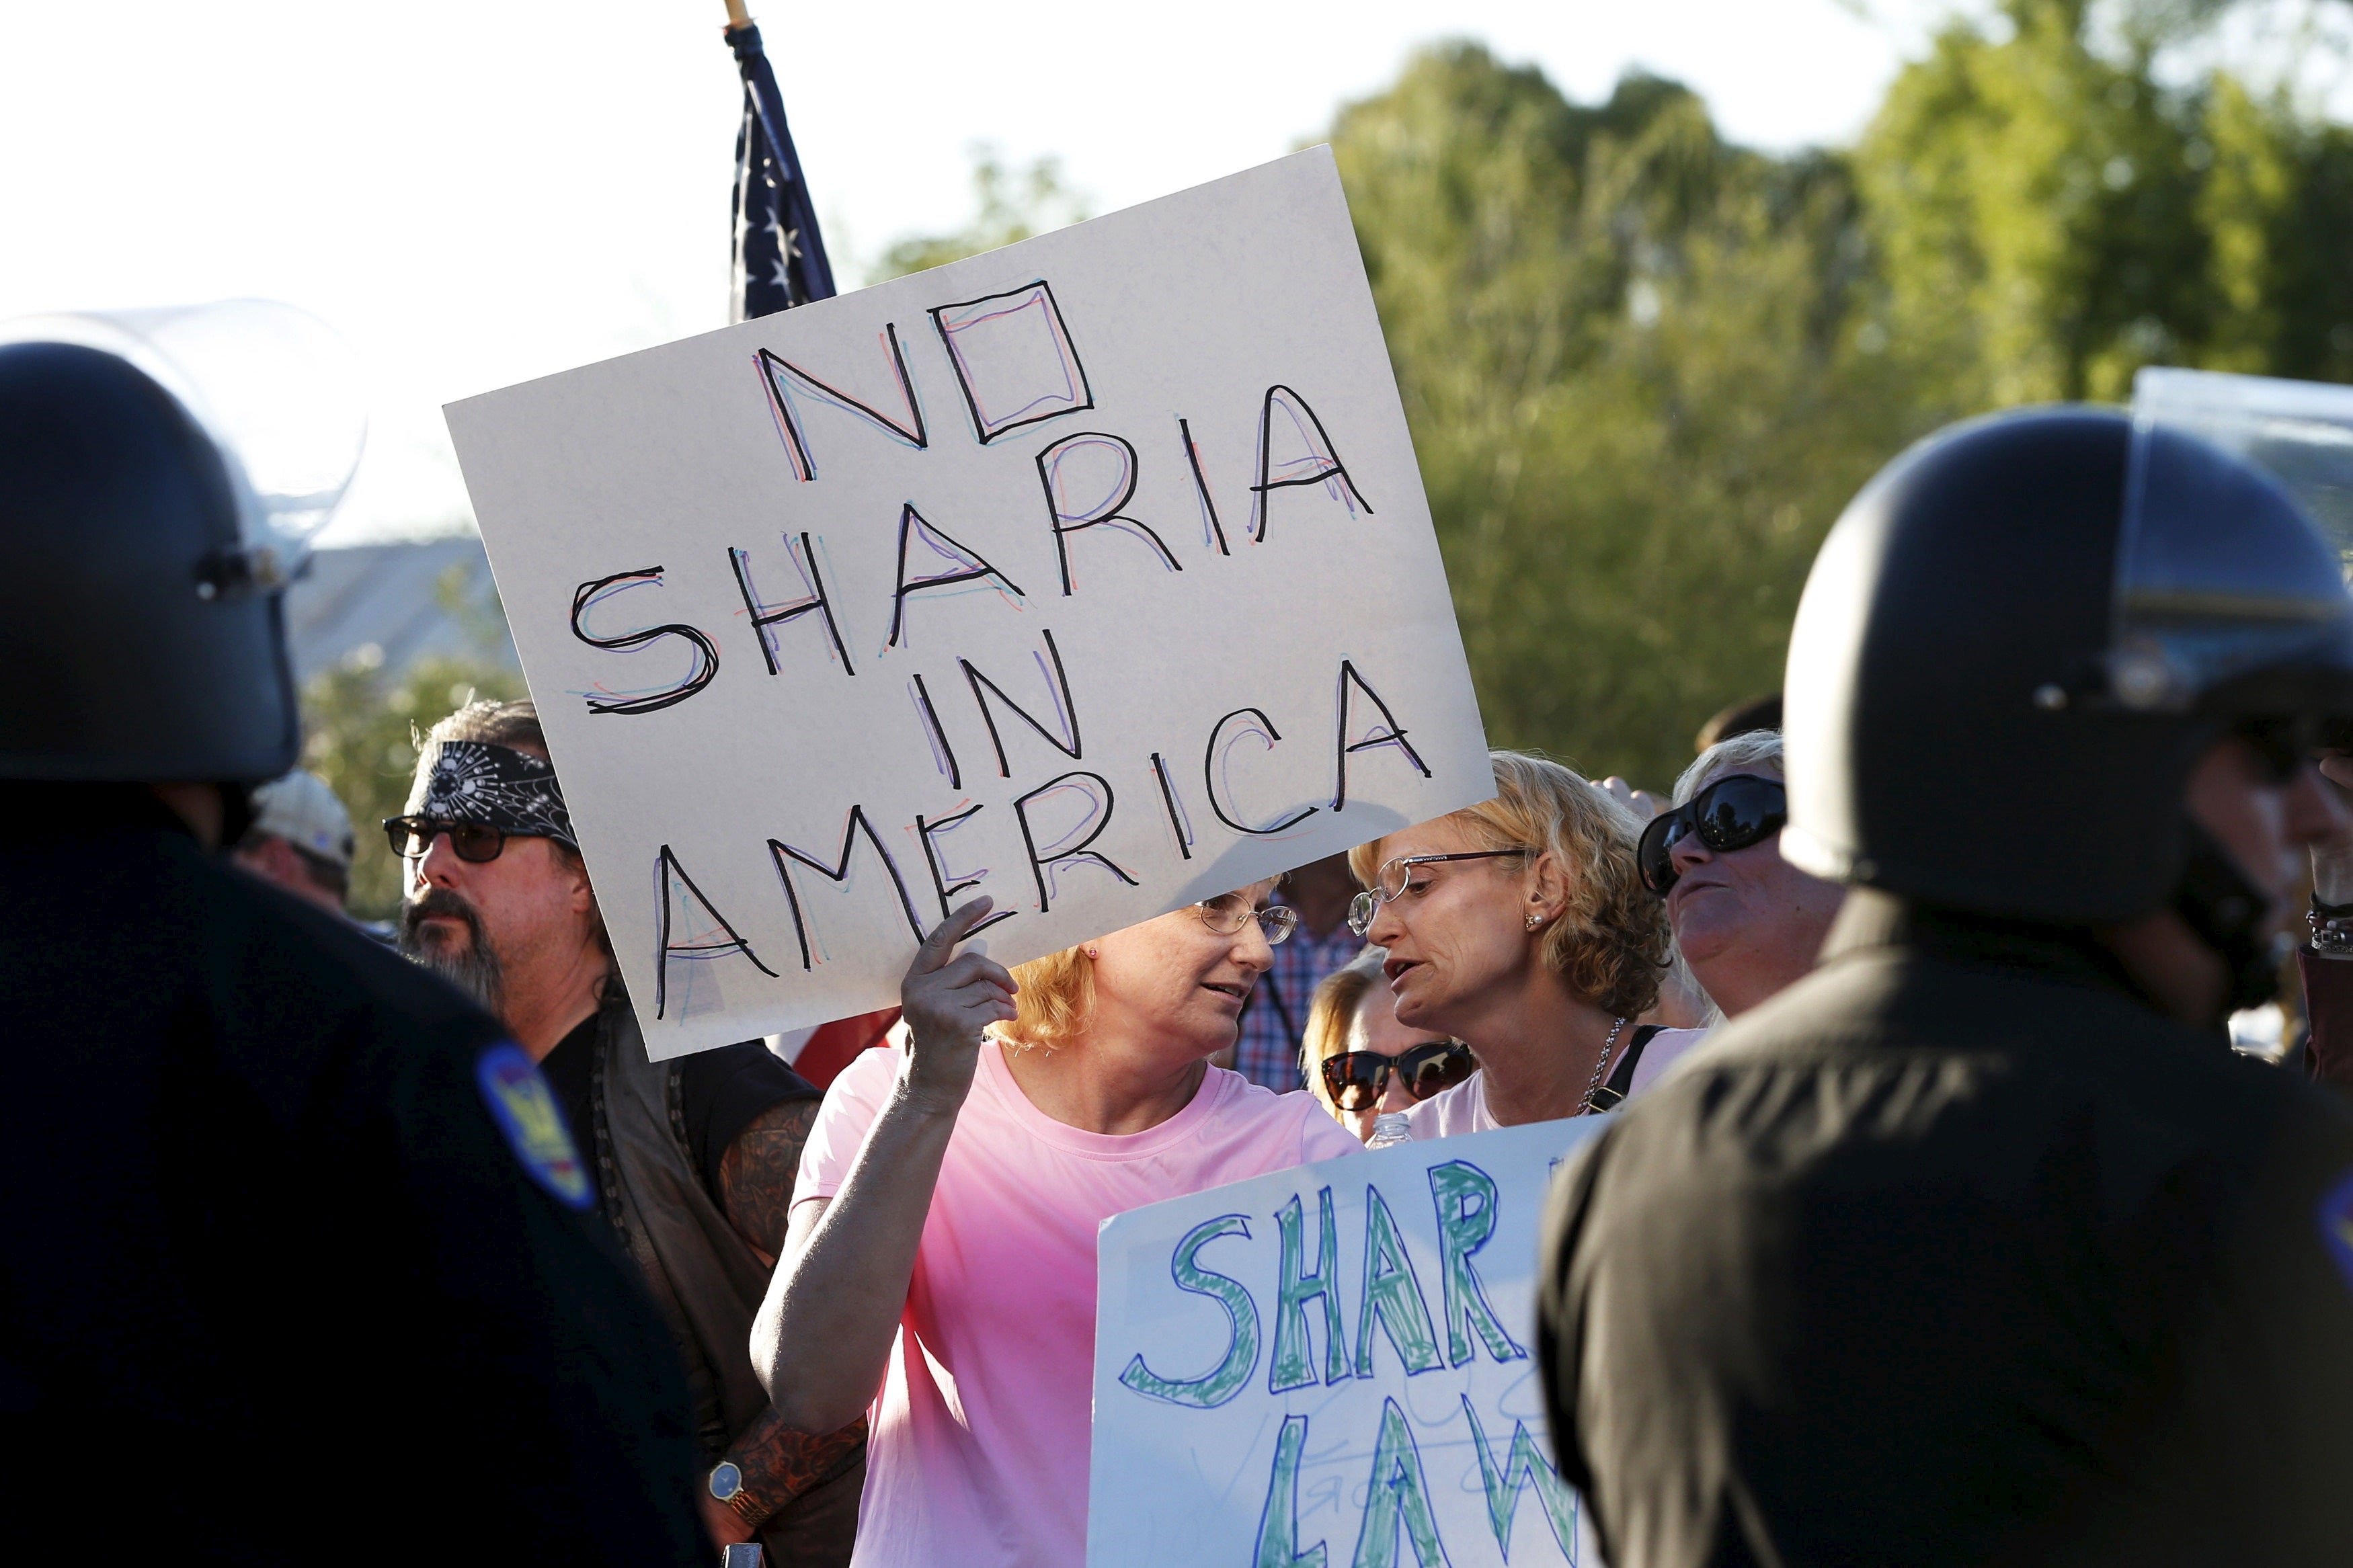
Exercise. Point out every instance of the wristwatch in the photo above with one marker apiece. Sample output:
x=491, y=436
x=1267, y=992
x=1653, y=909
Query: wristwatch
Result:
x=2332, y=929
x=726, y=1485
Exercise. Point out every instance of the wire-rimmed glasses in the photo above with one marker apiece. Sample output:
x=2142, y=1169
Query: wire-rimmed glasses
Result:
x=1229, y=913
x=1391, y=879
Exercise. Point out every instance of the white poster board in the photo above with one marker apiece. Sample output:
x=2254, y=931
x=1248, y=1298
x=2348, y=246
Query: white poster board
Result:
x=1093, y=575
x=1332, y=1365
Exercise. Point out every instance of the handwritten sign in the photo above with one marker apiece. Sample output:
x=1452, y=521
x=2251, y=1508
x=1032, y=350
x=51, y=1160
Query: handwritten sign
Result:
x=1093, y=575
x=1332, y=1365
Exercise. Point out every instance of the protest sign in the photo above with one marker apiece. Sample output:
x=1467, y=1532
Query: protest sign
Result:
x=1092, y=574
x=1333, y=1364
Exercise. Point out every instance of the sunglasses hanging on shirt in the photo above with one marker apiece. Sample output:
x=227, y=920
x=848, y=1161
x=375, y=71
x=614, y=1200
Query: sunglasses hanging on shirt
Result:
x=1730, y=813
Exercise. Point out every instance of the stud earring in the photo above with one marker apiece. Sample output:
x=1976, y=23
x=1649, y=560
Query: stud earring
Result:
x=1534, y=921
x=1092, y=953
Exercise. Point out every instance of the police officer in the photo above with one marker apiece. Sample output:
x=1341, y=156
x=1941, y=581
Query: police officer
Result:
x=1978, y=1245
x=298, y=1260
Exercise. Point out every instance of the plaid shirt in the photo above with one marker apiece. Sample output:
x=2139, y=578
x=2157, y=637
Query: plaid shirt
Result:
x=1274, y=1021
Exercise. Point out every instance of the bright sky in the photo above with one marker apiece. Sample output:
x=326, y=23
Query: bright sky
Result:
x=474, y=192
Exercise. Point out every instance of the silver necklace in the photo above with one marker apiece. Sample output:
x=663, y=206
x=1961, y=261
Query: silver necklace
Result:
x=1585, y=1106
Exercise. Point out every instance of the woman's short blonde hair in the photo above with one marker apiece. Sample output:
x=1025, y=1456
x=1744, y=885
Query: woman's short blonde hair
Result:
x=1612, y=943
x=1333, y=1013
x=1056, y=999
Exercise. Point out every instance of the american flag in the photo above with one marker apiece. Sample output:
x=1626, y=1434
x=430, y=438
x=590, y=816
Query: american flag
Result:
x=779, y=255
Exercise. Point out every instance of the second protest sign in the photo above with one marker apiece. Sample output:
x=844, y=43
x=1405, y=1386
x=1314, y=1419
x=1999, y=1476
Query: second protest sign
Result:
x=1332, y=1365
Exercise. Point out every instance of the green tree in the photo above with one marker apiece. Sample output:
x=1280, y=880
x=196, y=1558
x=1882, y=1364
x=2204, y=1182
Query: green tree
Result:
x=2053, y=216
x=1641, y=377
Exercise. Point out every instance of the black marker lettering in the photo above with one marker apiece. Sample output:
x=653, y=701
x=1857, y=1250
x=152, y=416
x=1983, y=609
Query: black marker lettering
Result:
x=1095, y=513
x=970, y=567
x=1006, y=388
x=666, y=866
x=1209, y=771
x=706, y=664
x=765, y=615
x=1201, y=487
x=1060, y=690
x=941, y=875
x=839, y=872
x=1177, y=822
x=1392, y=735
x=942, y=752
x=1320, y=461
x=1055, y=854
x=779, y=376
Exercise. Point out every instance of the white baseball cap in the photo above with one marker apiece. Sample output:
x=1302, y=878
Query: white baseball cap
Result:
x=301, y=809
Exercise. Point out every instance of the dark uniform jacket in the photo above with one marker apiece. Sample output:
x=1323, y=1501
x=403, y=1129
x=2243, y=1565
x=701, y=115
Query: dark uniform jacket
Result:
x=276, y=1282
x=1956, y=1252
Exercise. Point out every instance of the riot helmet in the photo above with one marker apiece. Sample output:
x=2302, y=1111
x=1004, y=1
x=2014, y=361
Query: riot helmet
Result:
x=2023, y=633
x=154, y=510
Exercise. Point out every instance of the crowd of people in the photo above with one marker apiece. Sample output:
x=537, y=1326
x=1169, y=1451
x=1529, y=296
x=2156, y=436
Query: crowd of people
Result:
x=1936, y=1222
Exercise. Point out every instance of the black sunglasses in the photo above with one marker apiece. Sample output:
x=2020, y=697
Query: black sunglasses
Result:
x=411, y=837
x=1730, y=813
x=1356, y=1079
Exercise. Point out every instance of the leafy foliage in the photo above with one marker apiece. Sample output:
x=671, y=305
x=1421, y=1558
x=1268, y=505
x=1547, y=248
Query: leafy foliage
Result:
x=1645, y=369
x=1630, y=358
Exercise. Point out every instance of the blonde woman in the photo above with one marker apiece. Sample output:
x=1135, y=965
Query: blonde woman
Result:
x=1361, y=1062
x=939, y=1272
x=1520, y=927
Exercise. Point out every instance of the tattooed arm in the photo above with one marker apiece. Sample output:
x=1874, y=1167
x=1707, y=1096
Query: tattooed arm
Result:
x=755, y=1174
x=756, y=1190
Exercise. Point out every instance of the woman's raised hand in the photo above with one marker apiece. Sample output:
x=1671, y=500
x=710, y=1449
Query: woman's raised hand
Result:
x=949, y=999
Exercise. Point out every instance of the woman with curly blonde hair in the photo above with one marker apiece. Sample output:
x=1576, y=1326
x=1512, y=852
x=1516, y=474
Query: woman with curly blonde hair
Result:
x=1520, y=927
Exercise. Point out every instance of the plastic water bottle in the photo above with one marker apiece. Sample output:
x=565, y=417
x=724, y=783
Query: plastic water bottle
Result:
x=1388, y=1128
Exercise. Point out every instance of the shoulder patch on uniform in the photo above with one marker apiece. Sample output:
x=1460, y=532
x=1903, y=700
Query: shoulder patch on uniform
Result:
x=525, y=1110
x=2337, y=1225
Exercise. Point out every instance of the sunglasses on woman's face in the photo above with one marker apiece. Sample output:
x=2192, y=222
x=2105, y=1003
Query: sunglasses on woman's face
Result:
x=1357, y=1080
x=1730, y=813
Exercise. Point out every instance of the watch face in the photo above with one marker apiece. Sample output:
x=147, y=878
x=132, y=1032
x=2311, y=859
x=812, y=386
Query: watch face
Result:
x=726, y=1480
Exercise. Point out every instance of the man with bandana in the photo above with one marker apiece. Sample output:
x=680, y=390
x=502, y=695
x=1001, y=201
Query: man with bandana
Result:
x=299, y=1260
x=694, y=1159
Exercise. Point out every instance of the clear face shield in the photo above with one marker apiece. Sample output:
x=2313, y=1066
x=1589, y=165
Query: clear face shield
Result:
x=277, y=391
x=2230, y=585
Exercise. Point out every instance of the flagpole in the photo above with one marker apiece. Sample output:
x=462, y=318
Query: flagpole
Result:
x=737, y=17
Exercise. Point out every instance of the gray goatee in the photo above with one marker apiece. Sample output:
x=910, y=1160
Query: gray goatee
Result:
x=474, y=969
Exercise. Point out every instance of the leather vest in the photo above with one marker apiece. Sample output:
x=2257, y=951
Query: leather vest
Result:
x=705, y=1278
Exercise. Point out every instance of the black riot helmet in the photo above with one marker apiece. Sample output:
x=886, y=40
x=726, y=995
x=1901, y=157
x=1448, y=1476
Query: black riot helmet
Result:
x=141, y=626
x=2016, y=644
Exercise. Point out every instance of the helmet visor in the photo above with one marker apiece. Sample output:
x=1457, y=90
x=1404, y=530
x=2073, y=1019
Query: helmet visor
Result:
x=279, y=392
x=2231, y=575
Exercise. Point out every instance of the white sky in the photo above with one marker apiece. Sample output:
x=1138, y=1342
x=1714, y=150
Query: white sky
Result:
x=477, y=193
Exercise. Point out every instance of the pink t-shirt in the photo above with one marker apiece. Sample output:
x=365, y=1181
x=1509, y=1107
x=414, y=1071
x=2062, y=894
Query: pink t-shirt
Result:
x=977, y=1451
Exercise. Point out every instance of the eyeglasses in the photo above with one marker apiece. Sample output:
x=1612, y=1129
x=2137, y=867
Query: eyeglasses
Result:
x=1228, y=914
x=411, y=837
x=1356, y=1079
x=1730, y=813
x=1395, y=876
